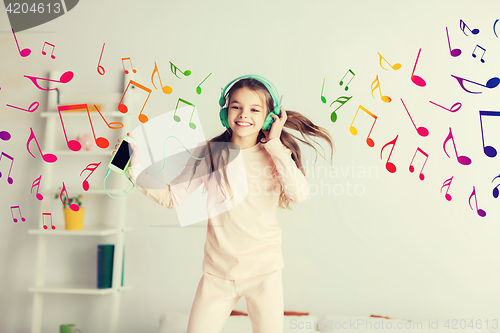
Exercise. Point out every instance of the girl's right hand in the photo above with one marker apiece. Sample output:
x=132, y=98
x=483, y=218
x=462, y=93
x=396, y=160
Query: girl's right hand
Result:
x=135, y=152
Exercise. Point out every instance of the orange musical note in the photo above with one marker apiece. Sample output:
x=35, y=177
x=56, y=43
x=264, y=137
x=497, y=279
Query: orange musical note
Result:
x=474, y=52
x=341, y=100
x=9, y=178
x=447, y=182
x=65, y=78
x=73, y=207
x=421, y=175
x=31, y=108
x=174, y=70
x=354, y=130
x=463, y=26
x=99, y=67
x=452, y=107
x=43, y=221
x=422, y=131
x=454, y=52
x=131, y=66
x=91, y=167
x=415, y=78
x=464, y=160
x=116, y=124
x=198, y=88
x=480, y=212
x=165, y=89
x=178, y=119
x=12, y=212
x=49, y=158
x=375, y=85
x=53, y=49
x=395, y=66
x=37, y=184
x=25, y=52
x=123, y=108
x=389, y=165
x=342, y=81
x=101, y=142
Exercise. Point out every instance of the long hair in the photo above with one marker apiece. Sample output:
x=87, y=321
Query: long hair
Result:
x=219, y=154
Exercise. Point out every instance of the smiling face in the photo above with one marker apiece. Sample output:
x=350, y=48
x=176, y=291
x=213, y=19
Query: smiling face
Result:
x=246, y=114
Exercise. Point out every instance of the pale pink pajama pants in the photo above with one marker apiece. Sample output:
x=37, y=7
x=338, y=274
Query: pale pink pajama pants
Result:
x=216, y=297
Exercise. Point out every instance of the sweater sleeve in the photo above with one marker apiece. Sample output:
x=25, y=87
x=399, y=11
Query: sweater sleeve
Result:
x=291, y=178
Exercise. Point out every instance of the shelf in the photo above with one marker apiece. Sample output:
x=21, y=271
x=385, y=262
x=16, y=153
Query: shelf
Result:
x=100, y=191
x=79, y=290
x=85, y=232
x=75, y=114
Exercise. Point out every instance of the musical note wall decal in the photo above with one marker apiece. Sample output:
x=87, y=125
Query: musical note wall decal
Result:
x=24, y=52
x=341, y=100
x=454, y=52
x=495, y=190
x=480, y=212
x=131, y=66
x=354, y=130
x=174, y=70
x=5, y=136
x=395, y=66
x=9, y=178
x=391, y=167
x=20, y=215
x=43, y=221
x=36, y=183
x=123, y=108
x=323, y=99
x=101, y=69
x=447, y=183
x=463, y=26
x=53, y=49
x=342, y=81
x=415, y=78
x=74, y=207
x=49, y=158
x=178, y=119
x=422, y=131
x=452, y=109
x=494, y=26
x=421, y=175
x=165, y=89
x=474, y=52
x=198, y=88
x=113, y=124
x=65, y=78
x=91, y=167
x=464, y=160
x=488, y=150
x=375, y=85
x=31, y=108
x=74, y=145
x=492, y=83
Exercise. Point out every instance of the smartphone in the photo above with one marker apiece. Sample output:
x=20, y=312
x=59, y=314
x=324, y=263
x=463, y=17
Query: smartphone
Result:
x=121, y=160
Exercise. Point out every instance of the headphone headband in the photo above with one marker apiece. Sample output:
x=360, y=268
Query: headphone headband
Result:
x=269, y=86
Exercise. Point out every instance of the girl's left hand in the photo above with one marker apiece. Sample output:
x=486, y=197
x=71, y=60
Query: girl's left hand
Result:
x=277, y=125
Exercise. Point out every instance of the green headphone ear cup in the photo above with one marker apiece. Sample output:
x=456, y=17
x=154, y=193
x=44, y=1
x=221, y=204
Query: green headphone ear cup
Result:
x=223, y=117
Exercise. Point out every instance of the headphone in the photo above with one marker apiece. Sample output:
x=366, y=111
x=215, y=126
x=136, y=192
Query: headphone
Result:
x=272, y=91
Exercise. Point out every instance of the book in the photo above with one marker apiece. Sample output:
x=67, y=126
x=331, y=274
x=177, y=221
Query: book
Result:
x=105, y=256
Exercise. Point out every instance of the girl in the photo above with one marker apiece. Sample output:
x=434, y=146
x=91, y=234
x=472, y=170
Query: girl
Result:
x=243, y=252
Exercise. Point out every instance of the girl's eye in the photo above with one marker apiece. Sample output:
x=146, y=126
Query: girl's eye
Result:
x=234, y=107
x=256, y=110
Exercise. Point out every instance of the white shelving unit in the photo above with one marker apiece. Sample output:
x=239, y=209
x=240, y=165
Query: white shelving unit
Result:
x=53, y=132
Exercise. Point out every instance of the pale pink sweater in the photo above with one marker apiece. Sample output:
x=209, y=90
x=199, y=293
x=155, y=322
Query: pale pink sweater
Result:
x=242, y=241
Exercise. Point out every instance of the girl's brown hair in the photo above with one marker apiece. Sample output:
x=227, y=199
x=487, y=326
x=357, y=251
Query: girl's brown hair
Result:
x=296, y=121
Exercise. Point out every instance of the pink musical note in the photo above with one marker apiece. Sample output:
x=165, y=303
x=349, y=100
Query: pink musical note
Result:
x=354, y=130
x=391, y=167
x=495, y=190
x=25, y=52
x=341, y=100
x=165, y=89
x=464, y=160
x=73, y=207
x=422, y=131
x=19, y=209
x=101, y=142
x=480, y=212
x=452, y=107
x=123, y=108
x=474, y=52
x=65, y=78
x=447, y=182
x=463, y=26
x=342, y=81
x=395, y=66
x=454, y=52
x=99, y=67
x=492, y=83
x=131, y=66
x=49, y=158
x=421, y=175
x=488, y=150
x=91, y=167
x=116, y=124
x=53, y=49
x=9, y=178
x=37, y=184
x=375, y=85
x=4, y=135
x=43, y=221
x=31, y=108
x=415, y=78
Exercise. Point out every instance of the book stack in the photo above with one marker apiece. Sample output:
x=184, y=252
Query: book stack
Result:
x=105, y=254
